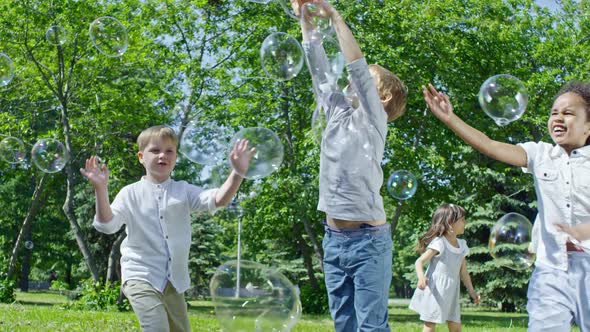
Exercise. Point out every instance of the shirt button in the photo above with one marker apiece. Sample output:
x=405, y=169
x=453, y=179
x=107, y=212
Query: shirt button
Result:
x=567, y=182
x=168, y=275
x=567, y=163
x=575, y=152
x=568, y=205
x=169, y=259
x=167, y=235
x=161, y=217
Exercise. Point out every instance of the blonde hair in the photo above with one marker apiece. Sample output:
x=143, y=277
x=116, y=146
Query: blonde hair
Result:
x=389, y=83
x=163, y=132
x=442, y=220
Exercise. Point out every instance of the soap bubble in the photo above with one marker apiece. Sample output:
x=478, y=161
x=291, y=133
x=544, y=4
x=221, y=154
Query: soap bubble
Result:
x=204, y=143
x=12, y=150
x=402, y=185
x=269, y=151
x=6, y=69
x=109, y=36
x=251, y=297
x=317, y=18
x=264, y=2
x=509, y=242
x=49, y=155
x=504, y=98
x=29, y=245
x=281, y=56
x=56, y=35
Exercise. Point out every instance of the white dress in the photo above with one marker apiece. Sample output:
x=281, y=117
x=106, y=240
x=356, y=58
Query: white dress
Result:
x=439, y=301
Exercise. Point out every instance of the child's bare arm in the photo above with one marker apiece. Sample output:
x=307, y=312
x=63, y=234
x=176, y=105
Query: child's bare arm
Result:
x=423, y=259
x=467, y=282
x=442, y=108
x=348, y=44
x=579, y=232
x=99, y=177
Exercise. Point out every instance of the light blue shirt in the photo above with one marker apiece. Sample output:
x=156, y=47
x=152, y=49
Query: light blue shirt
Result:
x=562, y=185
x=352, y=144
x=158, y=240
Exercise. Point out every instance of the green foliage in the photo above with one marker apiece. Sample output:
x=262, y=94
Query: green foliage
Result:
x=314, y=301
x=6, y=289
x=99, y=296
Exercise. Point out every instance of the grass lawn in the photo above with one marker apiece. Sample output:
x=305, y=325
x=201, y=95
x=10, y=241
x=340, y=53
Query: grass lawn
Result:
x=36, y=311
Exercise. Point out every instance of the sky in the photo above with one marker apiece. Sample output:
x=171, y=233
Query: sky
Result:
x=552, y=4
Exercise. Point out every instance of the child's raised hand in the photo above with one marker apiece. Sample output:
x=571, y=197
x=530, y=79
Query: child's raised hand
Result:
x=438, y=102
x=240, y=156
x=296, y=5
x=97, y=175
x=422, y=282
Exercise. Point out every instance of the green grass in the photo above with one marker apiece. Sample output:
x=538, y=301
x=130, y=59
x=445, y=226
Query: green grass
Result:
x=36, y=311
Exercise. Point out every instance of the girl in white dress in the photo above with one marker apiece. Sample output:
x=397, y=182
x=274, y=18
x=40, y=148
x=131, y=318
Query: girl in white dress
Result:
x=437, y=297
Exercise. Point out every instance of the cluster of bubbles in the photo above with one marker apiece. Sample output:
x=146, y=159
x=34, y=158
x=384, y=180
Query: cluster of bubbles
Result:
x=207, y=143
x=48, y=154
x=510, y=240
x=249, y=296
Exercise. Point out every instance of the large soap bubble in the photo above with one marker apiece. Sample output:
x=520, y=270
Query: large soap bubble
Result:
x=269, y=151
x=402, y=185
x=109, y=36
x=251, y=297
x=509, y=242
x=504, y=98
x=264, y=2
x=204, y=143
x=12, y=150
x=49, y=155
x=6, y=69
x=281, y=56
x=56, y=35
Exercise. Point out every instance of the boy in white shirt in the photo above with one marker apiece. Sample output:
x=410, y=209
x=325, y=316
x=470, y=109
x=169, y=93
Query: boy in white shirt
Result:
x=156, y=211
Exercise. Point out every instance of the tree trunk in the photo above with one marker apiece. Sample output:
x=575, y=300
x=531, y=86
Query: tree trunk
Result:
x=25, y=228
x=395, y=219
x=305, y=252
x=114, y=257
x=317, y=247
x=26, y=265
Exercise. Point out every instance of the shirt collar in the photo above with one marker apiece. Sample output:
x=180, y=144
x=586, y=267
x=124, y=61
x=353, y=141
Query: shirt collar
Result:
x=161, y=185
x=557, y=151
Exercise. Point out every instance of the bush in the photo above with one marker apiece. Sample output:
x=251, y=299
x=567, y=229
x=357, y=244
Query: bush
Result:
x=7, y=289
x=314, y=301
x=99, y=296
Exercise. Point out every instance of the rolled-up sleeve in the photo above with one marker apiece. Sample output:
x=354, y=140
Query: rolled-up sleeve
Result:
x=200, y=199
x=119, y=218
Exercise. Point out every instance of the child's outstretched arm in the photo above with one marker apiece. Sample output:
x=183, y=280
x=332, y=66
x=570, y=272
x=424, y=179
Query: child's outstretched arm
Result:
x=442, y=108
x=579, y=232
x=99, y=177
x=348, y=44
x=476, y=298
x=423, y=259
x=240, y=157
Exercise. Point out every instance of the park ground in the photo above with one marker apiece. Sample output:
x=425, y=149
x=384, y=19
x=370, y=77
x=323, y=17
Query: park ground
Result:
x=42, y=311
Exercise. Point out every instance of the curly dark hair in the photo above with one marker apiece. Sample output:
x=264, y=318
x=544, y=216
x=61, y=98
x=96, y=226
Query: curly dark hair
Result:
x=582, y=89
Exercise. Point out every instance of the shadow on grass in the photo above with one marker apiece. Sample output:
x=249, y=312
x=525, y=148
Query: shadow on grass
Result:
x=36, y=303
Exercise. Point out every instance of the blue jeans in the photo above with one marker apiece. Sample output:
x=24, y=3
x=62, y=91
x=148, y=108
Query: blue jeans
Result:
x=357, y=269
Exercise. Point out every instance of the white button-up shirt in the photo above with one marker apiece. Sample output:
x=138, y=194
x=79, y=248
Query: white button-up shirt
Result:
x=562, y=184
x=158, y=240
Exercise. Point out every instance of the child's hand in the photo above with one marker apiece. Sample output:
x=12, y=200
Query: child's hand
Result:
x=475, y=297
x=98, y=176
x=240, y=156
x=438, y=102
x=297, y=4
x=422, y=282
